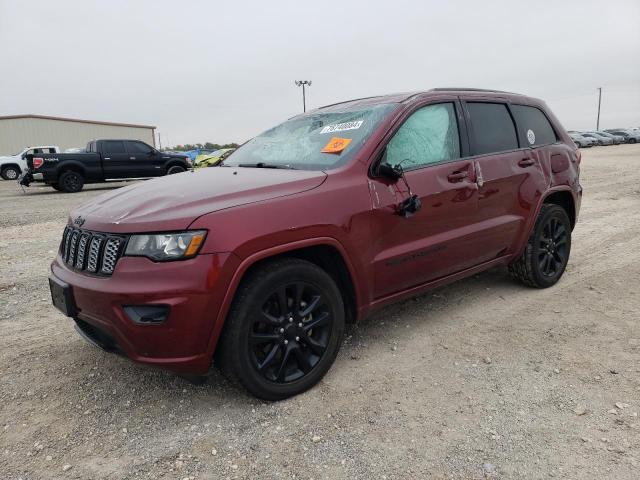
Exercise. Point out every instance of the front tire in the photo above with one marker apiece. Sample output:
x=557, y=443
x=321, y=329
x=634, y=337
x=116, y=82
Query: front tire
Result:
x=547, y=252
x=11, y=173
x=70, y=182
x=284, y=329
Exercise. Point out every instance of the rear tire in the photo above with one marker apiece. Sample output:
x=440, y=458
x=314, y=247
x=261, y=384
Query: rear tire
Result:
x=70, y=181
x=547, y=252
x=11, y=173
x=632, y=140
x=284, y=329
x=173, y=169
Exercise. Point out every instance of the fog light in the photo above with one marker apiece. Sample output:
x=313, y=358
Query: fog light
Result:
x=147, y=314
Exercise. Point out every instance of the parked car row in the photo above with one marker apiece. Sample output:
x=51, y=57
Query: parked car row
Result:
x=613, y=136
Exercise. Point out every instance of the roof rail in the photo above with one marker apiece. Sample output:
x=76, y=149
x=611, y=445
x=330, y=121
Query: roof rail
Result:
x=462, y=89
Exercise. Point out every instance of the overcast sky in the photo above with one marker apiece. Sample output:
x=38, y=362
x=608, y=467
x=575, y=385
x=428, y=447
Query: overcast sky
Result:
x=224, y=71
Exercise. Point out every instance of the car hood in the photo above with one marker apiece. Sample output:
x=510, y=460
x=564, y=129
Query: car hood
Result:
x=175, y=201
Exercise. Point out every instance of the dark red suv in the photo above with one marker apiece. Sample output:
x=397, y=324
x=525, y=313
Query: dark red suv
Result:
x=257, y=265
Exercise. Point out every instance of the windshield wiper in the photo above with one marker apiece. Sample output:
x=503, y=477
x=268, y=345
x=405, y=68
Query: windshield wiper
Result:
x=265, y=165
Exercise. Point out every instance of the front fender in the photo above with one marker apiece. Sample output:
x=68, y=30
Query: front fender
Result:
x=246, y=263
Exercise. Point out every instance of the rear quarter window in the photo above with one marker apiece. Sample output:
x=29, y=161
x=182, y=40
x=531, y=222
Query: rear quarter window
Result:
x=492, y=128
x=533, y=126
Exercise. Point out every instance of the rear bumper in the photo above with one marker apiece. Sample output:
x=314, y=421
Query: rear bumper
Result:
x=192, y=289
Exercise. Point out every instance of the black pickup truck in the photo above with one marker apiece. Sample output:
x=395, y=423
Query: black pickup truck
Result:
x=102, y=161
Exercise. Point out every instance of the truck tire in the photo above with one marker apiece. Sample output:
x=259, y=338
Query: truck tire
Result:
x=284, y=329
x=71, y=181
x=175, y=169
x=547, y=252
x=11, y=172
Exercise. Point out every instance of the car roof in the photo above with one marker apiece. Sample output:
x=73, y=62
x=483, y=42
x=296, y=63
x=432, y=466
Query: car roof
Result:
x=434, y=92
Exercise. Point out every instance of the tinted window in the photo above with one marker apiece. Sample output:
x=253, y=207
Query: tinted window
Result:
x=430, y=135
x=113, y=147
x=138, y=147
x=533, y=125
x=493, y=129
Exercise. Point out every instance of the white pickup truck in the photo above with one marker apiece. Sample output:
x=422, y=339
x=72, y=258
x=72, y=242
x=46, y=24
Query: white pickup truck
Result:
x=12, y=166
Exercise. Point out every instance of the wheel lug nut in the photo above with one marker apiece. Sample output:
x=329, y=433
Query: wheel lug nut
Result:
x=297, y=339
x=300, y=324
x=286, y=342
x=290, y=319
x=282, y=330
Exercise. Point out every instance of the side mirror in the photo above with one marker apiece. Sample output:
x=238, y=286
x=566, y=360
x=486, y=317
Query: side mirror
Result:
x=393, y=172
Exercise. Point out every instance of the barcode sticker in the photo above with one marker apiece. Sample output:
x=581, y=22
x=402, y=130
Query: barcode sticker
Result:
x=341, y=127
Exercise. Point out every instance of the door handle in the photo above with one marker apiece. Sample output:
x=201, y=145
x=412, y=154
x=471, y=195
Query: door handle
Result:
x=132, y=158
x=107, y=158
x=526, y=162
x=457, y=176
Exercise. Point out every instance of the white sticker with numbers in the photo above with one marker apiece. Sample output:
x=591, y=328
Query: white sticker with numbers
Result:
x=341, y=127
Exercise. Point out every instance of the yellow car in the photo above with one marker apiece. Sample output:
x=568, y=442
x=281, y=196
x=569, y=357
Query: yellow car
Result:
x=212, y=159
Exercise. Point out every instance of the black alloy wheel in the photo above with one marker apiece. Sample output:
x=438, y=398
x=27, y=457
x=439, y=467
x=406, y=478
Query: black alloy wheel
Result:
x=553, y=252
x=284, y=329
x=291, y=333
x=546, y=254
x=175, y=169
x=71, y=182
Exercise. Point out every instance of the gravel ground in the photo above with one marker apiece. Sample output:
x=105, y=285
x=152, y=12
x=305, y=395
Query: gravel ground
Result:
x=480, y=379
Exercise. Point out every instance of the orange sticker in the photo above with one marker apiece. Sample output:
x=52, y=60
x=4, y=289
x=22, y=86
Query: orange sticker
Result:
x=336, y=145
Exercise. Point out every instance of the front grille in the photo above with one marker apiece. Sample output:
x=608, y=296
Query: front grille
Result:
x=92, y=252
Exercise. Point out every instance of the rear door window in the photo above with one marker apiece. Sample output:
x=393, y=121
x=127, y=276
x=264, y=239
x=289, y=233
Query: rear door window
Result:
x=492, y=128
x=113, y=147
x=533, y=126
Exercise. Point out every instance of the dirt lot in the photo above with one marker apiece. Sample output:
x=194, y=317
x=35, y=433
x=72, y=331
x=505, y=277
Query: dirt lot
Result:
x=484, y=378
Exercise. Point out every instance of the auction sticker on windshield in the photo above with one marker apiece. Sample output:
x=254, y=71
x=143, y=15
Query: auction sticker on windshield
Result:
x=341, y=127
x=336, y=145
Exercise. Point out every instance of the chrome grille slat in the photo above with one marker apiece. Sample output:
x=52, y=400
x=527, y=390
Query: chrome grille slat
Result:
x=72, y=247
x=92, y=252
x=110, y=256
x=82, y=247
x=67, y=244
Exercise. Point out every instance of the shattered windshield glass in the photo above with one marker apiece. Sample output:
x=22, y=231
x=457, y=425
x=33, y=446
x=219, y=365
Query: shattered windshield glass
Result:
x=315, y=141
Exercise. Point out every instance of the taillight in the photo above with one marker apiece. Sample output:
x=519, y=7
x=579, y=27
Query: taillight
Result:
x=37, y=162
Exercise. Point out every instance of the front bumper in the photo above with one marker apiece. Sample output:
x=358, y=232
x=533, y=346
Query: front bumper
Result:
x=194, y=291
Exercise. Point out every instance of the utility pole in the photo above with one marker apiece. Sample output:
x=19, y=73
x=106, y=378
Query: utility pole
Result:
x=599, y=102
x=303, y=83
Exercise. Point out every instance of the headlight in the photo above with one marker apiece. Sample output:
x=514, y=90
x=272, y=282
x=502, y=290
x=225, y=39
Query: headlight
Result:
x=166, y=246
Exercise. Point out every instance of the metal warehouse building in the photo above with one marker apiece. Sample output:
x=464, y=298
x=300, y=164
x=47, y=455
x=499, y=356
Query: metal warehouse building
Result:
x=19, y=131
